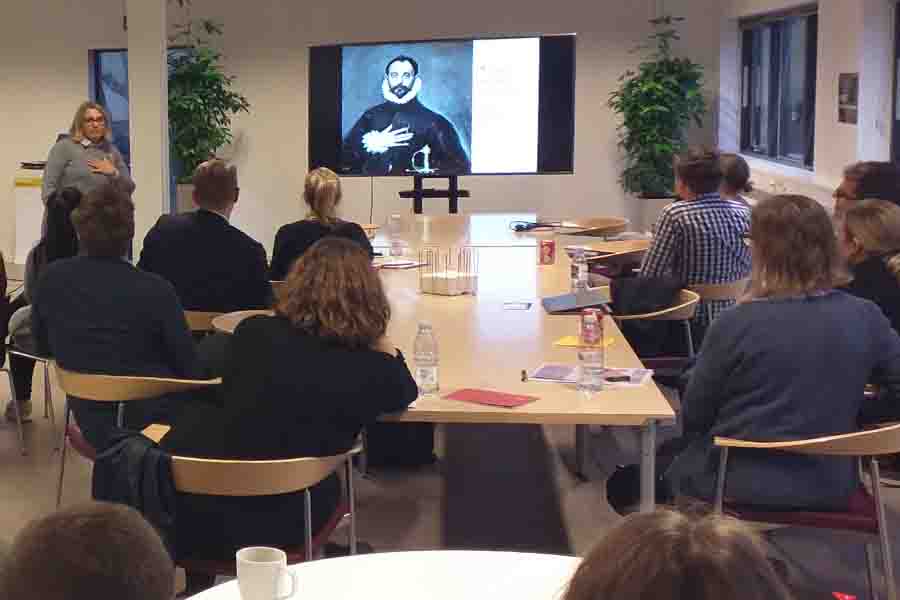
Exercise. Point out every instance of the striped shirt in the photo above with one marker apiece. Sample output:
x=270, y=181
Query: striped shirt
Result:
x=701, y=241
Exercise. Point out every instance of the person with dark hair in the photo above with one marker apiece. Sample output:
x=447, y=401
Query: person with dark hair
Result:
x=303, y=382
x=789, y=362
x=735, y=177
x=213, y=265
x=668, y=555
x=870, y=241
x=386, y=137
x=59, y=241
x=700, y=240
x=92, y=550
x=96, y=313
x=322, y=193
x=869, y=180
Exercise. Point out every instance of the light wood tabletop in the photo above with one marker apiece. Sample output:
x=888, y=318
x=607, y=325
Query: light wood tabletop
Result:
x=486, y=341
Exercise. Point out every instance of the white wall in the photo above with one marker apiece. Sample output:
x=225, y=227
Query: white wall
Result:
x=855, y=36
x=44, y=74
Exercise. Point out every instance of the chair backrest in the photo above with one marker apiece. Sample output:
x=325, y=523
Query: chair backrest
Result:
x=872, y=442
x=200, y=321
x=684, y=308
x=277, y=286
x=218, y=477
x=616, y=258
x=732, y=290
x=121, y=388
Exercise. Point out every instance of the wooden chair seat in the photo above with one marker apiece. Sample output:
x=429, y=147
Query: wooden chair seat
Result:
x=295, y=554
x=861, y=515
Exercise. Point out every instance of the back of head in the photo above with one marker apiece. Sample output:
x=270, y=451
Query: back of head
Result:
x=875, y=180
x=875, y=227
x=215, y=185
x=735, y=174
x=794, y=248
x=60, y=240
x=94, y=550
x=700, y=170
x=667, y=555
x=322, y=193
x=104, y=221
x=333, y=292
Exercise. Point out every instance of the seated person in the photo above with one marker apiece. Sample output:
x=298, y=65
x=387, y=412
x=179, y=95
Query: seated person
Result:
x=213, y=265
x=700, y=239
x=870, y=241
x=790, y=362
x=301, y=383
x=96, y=313
x=867, y=181
x=92, y=550
x=735, y=178
x=322, y=193
x=59, y=241
x=674, y=556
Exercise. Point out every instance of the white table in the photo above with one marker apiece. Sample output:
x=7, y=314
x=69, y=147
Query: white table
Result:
x=435, y=575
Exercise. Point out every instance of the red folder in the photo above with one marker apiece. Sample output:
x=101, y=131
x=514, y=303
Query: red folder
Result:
x=490, y=398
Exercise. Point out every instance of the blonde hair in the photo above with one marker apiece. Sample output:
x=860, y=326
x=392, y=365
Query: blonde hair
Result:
x=215, y=184
x=322, y=192
x=667, y=555
x=76, y=131
x=794, y=248
x=875, y=226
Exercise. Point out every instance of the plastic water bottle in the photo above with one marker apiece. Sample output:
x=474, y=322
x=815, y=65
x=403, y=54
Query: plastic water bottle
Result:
x=425, y=359
x=579, y=271
x=395, y=226
x=590, y=370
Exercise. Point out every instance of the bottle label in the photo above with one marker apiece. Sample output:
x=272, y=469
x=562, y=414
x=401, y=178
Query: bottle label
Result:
x=427, y=377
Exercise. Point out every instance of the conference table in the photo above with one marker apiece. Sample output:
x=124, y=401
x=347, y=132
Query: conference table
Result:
x=437, y=575
x=487, y=340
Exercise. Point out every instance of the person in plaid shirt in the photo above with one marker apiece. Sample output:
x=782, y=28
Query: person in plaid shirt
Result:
x=700, y=239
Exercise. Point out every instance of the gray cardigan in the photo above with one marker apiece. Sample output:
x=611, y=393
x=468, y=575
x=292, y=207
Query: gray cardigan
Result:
x=779, y=370
x=67, y=166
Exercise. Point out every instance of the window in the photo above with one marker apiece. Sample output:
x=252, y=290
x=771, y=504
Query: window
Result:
x=779, y=88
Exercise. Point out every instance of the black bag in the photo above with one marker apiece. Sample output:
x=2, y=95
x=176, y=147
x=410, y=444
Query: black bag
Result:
x=640, y=295
x=400, y=444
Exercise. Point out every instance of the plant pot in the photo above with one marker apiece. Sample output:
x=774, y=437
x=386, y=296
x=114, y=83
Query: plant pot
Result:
x=650, y=207
x=184, y=198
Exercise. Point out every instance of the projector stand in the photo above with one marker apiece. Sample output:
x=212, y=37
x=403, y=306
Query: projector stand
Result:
x=452, y=193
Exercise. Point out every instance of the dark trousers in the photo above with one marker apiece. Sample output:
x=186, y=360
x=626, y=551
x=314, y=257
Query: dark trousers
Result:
x=22, y=369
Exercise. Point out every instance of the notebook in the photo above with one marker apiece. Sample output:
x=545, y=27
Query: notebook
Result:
x=575, y=302
x=490, y=397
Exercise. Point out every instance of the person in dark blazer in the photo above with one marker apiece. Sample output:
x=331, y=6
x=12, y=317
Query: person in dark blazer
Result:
x=789, y=362
x=213, y=265
x=322, y=193
x=303, y=382
x=870, y=240
x=96, y=313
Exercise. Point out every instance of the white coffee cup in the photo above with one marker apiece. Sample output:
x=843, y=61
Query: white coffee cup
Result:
x=263, y=574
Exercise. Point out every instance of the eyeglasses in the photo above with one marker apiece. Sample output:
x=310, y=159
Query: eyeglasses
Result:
x=97, y=120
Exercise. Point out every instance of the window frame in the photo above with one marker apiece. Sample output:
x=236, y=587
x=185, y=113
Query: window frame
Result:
x=777, y=24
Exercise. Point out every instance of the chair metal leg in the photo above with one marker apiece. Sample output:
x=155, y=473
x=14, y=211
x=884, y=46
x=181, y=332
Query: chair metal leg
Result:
x=351, y=502
x=886, y=557
x=720, y=480
x=307, y=523
x=48, y=399
x=62, y=453
x=689, y=337
x=120, y=415
x=871, y=572
x=648, y=467
x=17, y=409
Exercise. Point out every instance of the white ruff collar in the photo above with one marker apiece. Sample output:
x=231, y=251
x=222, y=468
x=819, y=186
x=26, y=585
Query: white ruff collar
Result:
x=409, y=97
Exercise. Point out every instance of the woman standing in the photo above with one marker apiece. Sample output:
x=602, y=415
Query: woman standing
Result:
x=86, y=158
x=322, y=193
x=870, y=241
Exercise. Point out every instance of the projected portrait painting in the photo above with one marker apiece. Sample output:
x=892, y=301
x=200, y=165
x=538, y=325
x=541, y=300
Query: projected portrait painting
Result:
x=407, y=109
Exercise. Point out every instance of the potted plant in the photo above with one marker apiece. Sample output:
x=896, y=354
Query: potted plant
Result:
x=202, y=102
x=656, y=104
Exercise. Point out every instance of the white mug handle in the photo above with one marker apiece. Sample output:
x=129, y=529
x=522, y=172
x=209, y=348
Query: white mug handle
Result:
x=294, y=585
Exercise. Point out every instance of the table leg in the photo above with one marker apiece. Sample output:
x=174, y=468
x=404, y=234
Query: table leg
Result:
x=648, y=467
x=582, y=443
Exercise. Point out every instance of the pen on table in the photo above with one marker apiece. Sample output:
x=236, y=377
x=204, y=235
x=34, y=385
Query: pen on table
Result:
x=524, y=375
